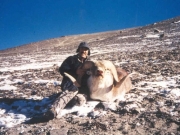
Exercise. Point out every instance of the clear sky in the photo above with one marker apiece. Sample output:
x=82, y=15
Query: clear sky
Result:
x=27, y=21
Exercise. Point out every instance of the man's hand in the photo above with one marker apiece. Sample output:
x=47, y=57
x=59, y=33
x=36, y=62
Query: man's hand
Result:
x=80, y=71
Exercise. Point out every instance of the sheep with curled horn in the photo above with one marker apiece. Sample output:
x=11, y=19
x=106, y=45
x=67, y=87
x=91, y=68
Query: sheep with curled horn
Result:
x=106, y=82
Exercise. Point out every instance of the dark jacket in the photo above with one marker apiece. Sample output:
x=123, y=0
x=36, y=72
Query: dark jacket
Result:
x=70, y=65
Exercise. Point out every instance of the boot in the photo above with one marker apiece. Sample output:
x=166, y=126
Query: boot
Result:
x=62, y=101
x=59, y=103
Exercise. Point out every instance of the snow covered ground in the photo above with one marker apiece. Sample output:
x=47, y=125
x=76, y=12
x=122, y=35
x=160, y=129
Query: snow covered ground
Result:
x=27, y=81
x=22, y=110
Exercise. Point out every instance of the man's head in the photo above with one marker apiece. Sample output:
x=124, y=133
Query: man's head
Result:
x=83, y=50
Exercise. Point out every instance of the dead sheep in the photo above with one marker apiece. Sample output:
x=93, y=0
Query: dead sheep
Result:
x=106, y=82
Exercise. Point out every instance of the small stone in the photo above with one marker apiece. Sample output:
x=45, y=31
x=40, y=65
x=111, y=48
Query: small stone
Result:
x=62, y=131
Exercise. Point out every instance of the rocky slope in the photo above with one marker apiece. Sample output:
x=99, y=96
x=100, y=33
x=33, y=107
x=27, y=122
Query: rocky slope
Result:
x=151, y=52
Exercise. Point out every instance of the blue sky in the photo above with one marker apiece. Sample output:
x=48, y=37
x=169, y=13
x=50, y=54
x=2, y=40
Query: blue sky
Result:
x=27, y=21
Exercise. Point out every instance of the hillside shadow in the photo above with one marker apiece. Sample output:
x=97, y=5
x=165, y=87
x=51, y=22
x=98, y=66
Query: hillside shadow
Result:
x=28, y=108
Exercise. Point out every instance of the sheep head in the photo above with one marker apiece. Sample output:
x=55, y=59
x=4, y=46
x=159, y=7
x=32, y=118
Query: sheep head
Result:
x=99, y=68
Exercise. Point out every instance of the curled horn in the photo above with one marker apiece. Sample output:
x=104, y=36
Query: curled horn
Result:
x=72, y=79
x=112, y=68
x=87, y=65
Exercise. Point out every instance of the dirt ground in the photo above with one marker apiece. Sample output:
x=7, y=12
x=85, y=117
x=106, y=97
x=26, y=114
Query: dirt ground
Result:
x=155, y=120
x=157, y=112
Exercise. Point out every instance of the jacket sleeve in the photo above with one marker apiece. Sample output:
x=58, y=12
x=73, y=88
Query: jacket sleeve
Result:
x=68, y=67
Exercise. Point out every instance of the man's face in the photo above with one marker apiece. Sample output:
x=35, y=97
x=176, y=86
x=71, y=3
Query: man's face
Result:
x=83, y=52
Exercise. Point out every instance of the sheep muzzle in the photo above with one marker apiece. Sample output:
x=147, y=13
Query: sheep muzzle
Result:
x=99, y=73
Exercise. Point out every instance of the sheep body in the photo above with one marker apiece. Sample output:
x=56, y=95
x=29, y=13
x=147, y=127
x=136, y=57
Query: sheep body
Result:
x=102, y=84
x=106, y=82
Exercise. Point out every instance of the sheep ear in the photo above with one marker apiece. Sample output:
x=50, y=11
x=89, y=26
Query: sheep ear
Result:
x=112, y=68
